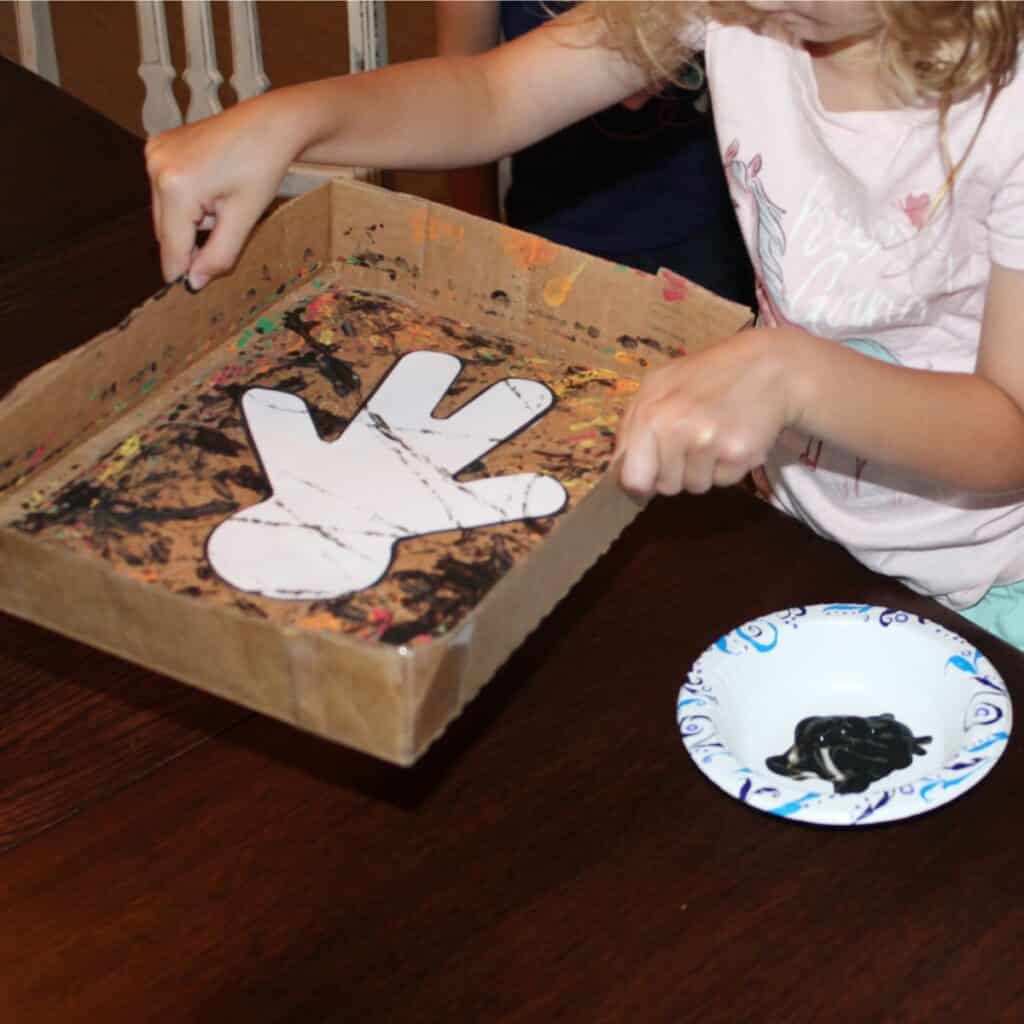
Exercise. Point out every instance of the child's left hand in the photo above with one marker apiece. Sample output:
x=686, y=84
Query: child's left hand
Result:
x=708, y=419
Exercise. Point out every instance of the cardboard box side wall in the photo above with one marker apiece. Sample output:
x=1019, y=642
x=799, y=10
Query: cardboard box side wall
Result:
x=128, y=366
x=508, y=281
x=515, y=607
x=391, y=702
x=351, y=692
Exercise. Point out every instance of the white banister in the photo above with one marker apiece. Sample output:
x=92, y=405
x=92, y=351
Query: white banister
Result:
x=201, y=71
x=367, y=35
x=160, y=110
x=36, y=50
x=248, y=78
x=368, y=50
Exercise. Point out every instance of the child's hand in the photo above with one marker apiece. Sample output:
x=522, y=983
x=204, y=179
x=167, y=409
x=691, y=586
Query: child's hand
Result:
x=218, y=173
x=708, y=419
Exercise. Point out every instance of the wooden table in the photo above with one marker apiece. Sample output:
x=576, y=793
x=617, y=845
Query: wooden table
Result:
x=556, y=856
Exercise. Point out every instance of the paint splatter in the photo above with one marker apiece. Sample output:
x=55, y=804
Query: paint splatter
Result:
x=528, y=251
x=557, y=289
x=675, y=287
x=147, y=506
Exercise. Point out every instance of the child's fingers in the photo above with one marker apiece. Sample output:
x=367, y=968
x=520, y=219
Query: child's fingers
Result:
x=638, y=467
x=728, y=473
x=699, y=473
x=155, y=210
x=176, y=232
x=672, y=465
x=234, y=222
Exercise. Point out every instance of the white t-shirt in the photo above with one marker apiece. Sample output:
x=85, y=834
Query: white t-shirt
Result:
x=835, y=210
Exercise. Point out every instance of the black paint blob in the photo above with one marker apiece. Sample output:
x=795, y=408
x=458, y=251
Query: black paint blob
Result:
x=849, y=751
x=341, y=374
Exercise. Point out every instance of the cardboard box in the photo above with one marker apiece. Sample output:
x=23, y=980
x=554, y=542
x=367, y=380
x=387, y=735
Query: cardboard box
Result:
x=120, y=462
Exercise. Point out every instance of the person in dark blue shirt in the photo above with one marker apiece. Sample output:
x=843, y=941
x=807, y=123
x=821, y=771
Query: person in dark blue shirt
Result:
x=611, y=184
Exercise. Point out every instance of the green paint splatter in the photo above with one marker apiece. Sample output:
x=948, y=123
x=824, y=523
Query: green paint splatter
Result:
x=244, y=340
x=265, y=325
x=148, y=385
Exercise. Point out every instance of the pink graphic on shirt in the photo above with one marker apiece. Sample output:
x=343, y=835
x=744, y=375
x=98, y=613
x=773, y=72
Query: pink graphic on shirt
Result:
x=761, y=222
x=916, y=208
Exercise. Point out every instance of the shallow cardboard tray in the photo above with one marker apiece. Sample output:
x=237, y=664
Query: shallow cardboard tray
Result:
x=391, y=701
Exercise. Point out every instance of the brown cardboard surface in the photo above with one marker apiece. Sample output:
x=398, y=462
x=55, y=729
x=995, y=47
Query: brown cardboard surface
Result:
x=347, y=277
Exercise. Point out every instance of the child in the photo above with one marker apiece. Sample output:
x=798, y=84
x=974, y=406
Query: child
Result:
x=612, y=184
x=875, y=154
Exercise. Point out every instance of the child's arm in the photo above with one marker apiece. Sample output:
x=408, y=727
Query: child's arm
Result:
x=710, y=418
x=429, y=114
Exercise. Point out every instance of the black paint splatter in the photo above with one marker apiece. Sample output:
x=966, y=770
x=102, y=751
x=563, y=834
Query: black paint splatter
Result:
x=246, y=477
x=213, y=441
x=340, y=373
x=111, y=515
x=453, y=589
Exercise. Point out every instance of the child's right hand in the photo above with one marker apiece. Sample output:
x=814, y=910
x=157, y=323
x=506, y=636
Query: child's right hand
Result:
x=219, y=173
x=709, y=418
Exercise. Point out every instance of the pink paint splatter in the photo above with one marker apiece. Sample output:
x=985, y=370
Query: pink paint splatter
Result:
x=675, y=286
x=916, y=208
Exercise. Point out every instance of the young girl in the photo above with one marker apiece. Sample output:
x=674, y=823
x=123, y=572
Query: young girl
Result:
x=876, y=157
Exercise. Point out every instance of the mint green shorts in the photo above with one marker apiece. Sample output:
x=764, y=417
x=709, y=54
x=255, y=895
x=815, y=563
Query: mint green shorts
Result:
x=1001, y=611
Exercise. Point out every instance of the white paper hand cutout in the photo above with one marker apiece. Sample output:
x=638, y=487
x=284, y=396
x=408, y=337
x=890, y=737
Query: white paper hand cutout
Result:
x=338, y=508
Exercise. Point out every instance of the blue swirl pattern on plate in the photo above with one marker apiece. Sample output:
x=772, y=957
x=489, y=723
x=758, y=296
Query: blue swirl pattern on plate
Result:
x=987, y=721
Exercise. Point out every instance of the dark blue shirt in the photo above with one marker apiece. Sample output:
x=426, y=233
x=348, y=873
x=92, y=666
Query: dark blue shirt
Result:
x=620, y=181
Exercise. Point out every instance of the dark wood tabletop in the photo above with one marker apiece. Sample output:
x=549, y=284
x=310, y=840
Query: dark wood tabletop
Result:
x=167, y=856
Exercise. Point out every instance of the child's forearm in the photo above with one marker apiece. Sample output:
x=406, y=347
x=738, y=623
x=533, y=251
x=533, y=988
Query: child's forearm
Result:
x=223, y=171
x=425, y=115
x=710, y=418
x=459, y=111
x=958, y=428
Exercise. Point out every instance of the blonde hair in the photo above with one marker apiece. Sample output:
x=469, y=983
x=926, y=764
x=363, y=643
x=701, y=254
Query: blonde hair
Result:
x=935, y=53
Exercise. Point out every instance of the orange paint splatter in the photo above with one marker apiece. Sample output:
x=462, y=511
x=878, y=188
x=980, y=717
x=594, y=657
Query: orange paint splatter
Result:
x=557, y=290
x=320, y=622
x=423, y=226
x=418, y=330
x=528, y=251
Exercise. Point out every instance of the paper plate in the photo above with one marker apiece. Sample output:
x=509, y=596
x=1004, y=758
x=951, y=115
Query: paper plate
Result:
x=844, y=714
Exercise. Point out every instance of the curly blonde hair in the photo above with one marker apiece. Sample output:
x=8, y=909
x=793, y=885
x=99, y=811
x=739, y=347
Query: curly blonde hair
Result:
x=931, y=52
x=938, y=51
